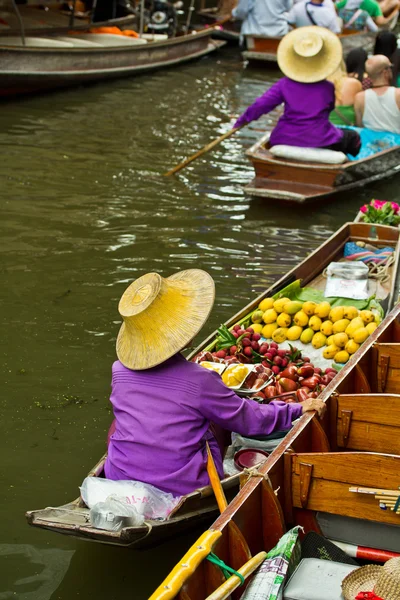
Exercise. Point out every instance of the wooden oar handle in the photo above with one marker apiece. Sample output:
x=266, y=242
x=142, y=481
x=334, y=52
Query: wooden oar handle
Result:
x=215, y=481
x=209, y=146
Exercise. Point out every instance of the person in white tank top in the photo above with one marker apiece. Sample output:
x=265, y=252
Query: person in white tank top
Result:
x=379, y=107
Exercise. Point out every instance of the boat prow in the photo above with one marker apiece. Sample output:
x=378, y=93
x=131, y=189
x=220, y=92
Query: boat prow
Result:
x=299, y=181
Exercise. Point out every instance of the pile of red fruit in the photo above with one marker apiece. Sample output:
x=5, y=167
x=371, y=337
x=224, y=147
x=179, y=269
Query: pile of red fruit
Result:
x=295, y=378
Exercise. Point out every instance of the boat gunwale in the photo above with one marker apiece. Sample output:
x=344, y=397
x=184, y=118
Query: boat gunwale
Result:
x=175, y=41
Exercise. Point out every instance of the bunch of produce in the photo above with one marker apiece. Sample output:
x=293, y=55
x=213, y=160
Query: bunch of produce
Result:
x=340, y=330
x=297, y=383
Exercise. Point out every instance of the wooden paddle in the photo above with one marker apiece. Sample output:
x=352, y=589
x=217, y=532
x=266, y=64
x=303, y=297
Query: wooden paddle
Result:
x=215, y=481
x=209, y=146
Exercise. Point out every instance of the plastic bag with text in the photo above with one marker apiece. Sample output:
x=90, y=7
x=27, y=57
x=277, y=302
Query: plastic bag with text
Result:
x=148, y=500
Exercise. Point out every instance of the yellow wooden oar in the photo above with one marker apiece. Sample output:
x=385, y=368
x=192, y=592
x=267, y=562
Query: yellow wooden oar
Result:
x=215, y=481
x=209, y=146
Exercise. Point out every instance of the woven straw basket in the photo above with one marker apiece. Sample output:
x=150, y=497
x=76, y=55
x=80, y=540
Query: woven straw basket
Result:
x=383, y=581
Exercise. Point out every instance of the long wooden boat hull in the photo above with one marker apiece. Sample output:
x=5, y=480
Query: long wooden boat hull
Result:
x=326, y=475
x=199, y=507
x=229, y=31
x=26, y=69
x=263, y=49
x=295, y=181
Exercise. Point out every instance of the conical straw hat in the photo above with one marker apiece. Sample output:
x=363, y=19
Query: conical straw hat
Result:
x=309, y=54
x=383, y=581
x=162, y=315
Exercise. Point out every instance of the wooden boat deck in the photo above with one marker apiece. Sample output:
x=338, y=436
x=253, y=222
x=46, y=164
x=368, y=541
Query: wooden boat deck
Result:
x=298, y=181
x=200, y=506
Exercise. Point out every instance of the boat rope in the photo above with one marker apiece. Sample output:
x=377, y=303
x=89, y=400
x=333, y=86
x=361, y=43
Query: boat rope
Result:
x=377, y=270
x=226, y=570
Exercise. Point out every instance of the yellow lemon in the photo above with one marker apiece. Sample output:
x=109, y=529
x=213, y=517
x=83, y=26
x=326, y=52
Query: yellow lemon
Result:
x=352, y=347
x=322, y=310
x=284, y=320
x=307, y=335
x=319, y=340
x=355, y=324
x=330, y=351
x=315, y=323
x=268, y=330
x=371, y=327
x=257, y=327
x=266, y=304
x=293, y=333
x=340, y=339
x=360, y=335
x=292, y=307
x=270, y=316
x=300, y=318
x=342, y=357
x=326, y=327
x=350, y=312
x=336, y=314
x=280, y=335
x=340, y=325
x=367, y=316
x=257, y=316
x=280, y=303
x=309, y=307
x=329, y=340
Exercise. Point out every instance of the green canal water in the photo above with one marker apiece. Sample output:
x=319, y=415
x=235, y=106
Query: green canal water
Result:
x=84, y=210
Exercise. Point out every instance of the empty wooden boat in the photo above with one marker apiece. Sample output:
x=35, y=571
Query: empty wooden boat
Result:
x=299, y=181
x=263, y=49
x=331, y=476
x=50, y=63
x=200, y=506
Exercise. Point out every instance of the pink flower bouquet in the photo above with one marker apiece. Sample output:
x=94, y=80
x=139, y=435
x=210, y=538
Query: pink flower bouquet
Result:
x=382, y=212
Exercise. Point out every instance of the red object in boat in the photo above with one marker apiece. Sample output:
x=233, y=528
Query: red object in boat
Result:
x=249, y=457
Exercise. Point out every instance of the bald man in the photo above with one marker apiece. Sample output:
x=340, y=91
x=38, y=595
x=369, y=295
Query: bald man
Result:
x=379, y=107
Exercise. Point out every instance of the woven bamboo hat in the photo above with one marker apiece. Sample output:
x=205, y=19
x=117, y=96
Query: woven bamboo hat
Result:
x=383, y=581
x=161, y=315
x=309, y=54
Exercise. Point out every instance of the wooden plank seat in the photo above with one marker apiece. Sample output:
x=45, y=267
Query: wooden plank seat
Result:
x=367, y=422
x=321, y=482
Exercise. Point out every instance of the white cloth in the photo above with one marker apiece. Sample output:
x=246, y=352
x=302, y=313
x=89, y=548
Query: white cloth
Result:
x=323, y=14
x=263, y=17
x=381, y=113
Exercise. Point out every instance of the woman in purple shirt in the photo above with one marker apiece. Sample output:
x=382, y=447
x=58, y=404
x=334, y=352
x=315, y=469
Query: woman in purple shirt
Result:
x=307, y=56
x=163, y=404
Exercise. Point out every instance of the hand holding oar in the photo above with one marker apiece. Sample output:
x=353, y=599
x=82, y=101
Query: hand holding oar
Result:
x=209, y=146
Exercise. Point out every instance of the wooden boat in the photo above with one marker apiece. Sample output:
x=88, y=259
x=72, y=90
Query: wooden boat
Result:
x=73, y=518
x=262, y=49
x=61, y=61
x=328, y=476
x=297, y=181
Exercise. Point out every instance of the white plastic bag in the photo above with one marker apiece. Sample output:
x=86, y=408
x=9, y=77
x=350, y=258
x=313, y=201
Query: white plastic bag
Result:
x=114, y=514
x=149, y=501
x=347, y=280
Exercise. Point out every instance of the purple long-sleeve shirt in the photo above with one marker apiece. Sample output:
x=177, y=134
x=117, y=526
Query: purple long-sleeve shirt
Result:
x=163, y=417
x=305, y=121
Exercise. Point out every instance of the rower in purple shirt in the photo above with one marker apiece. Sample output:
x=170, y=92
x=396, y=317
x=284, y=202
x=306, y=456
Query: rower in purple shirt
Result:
x=307, y=56
x=163, y=404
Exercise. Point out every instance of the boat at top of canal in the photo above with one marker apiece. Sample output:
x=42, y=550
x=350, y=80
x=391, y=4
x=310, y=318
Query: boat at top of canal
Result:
x=302, y=175
x=335, y=477
x=58, y=52
x=200, y=506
